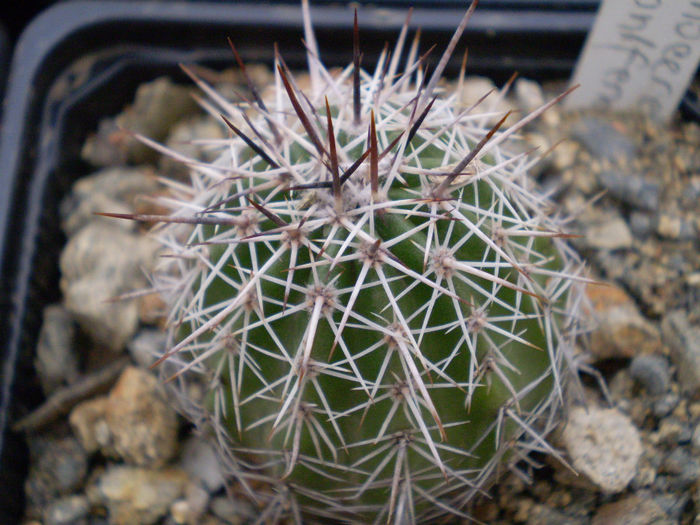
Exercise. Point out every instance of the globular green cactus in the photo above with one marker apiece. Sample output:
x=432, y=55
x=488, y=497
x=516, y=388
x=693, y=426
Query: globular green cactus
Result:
x=377, y=299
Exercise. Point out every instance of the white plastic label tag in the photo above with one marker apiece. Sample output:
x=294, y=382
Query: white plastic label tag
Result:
x=640, y=54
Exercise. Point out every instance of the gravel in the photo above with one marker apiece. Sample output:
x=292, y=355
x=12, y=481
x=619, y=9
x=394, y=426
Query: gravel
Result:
x=636, y=463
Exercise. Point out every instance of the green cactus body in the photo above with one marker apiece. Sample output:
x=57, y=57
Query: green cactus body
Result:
x=376, y=298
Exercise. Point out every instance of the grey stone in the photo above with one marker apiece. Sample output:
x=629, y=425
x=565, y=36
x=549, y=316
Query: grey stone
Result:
x=686, y=435
x=136, y=495
x=58, y=468
x=602, y=140
x=56, y=359
x=683, y=467
x=675, y=463
x=100, y=263
x=608, y=232
x=690, y=195
x=528, y=95
x=603, y=445
x=231, y=511
x=673, y=431
x=641, y=224
x=635, y=190
x=199, y=460
x=143, y=426
x=663, y=406
x=147, y=346
x=684, y=341
x=677, y=263
x=69, y=510
x=652, y=372
x=672, y=504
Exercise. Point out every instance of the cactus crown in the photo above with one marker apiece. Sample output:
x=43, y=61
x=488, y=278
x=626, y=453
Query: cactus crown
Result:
x=370, y=290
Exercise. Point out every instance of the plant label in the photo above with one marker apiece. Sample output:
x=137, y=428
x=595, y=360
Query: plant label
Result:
x=640, y=54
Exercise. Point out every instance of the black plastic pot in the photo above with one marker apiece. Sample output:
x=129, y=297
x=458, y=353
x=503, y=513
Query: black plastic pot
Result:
x=4, y=58
x=80, y=61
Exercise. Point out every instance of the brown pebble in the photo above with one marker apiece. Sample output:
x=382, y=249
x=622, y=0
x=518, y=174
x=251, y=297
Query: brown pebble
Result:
x=143, y=426
x=632, y=510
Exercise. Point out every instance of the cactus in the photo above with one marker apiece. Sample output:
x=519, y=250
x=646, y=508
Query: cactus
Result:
x=374, y=298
